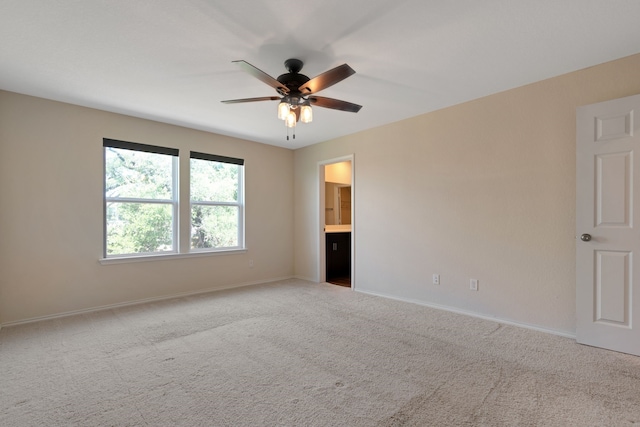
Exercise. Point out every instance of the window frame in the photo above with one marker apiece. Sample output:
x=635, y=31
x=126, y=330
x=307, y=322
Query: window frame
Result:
x=181, y=218
x=239, y=203
x=174, y=201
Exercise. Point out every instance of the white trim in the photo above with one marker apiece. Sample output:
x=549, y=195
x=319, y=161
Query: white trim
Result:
x=139, y=200
x=209, y=203
x=140, y=301
x=308, y=279
x=473, y=314
x=175, y=183
x=239, y=203
x=174, y=202
x=173, y=255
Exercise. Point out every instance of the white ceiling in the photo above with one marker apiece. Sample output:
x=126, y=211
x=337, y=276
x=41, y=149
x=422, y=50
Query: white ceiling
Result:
x=171, y=61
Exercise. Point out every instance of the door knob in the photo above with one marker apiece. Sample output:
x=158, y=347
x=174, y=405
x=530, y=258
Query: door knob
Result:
x=585, y=237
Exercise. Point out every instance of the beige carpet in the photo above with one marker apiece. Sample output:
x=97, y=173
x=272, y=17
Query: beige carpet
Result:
x=300, y=354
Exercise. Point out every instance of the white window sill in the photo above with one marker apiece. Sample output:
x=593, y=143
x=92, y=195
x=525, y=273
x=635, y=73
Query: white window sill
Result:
x=160, y=257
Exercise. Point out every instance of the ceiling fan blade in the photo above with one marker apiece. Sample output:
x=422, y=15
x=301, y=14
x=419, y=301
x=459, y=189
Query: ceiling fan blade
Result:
x=262, y=76
x=326, y=79
x=335, y=104
x=264, y=98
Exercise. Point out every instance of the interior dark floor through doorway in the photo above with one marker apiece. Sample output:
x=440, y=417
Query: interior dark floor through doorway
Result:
x=340, y=281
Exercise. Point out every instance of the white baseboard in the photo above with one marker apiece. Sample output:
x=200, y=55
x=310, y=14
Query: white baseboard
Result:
x=474, y=314
x=308, y=279
x=140, y=301
x=239, y=285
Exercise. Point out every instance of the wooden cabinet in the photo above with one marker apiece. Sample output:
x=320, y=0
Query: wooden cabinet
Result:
x=338, y=251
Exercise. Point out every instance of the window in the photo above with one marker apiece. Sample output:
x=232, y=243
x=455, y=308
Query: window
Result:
x=216, y=202
x=142, y=204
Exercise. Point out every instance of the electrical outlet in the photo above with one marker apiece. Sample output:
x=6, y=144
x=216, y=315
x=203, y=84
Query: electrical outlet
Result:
x=436, y=279
x=473, y=284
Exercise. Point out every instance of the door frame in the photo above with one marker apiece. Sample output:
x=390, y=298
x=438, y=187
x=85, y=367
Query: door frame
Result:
x=322, y=256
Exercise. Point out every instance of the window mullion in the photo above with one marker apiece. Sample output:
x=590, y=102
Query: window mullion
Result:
x=175, y=170
x=208, y=203
x=138, y=200
x=241, y=202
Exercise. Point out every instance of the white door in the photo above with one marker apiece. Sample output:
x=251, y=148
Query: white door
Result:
x=608, y=225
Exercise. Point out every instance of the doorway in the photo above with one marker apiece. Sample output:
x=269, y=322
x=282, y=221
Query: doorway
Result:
x=336, y=221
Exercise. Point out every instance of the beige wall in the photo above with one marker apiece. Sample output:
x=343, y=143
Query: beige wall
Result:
x=487, y=188
x=482, y=190
x=51, y=212
x=339, y=173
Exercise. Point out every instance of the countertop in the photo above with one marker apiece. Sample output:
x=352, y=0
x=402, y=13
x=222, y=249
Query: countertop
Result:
x=344, y=228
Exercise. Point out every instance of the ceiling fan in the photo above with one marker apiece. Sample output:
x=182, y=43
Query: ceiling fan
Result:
x=297, y=91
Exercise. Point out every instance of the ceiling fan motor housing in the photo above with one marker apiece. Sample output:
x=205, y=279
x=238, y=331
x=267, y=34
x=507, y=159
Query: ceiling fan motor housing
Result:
x=292, y=80
x=293, y=65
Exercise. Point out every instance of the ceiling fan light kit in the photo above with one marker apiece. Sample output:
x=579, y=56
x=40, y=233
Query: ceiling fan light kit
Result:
x=295, y=90
x=306, y=113
x=290, y=120
x=283, y=110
